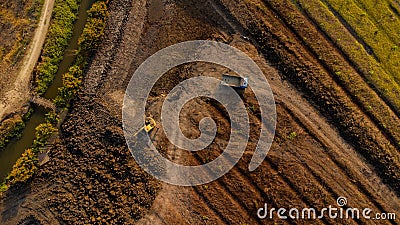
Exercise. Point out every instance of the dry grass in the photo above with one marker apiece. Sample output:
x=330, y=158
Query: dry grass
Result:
x=18, y=20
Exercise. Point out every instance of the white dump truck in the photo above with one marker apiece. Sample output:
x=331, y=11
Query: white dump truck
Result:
x=239, y=84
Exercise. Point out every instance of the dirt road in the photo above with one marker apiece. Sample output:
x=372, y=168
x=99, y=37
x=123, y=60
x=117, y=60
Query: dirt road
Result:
x=19, y=92
x=92, y=177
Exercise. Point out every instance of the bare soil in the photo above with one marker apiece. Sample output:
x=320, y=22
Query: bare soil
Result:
x=92, y=179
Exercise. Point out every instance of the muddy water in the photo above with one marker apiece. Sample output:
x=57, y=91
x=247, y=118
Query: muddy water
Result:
x=16, y=147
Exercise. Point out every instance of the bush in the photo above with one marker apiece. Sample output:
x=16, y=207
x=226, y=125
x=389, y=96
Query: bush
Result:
x=71, y=83
x=52, y=118
x=26, y=165
x=9, y=129
x=23, y=169
x=43, y=133
x=3, y=187
x=60, y=31
x=94, y=28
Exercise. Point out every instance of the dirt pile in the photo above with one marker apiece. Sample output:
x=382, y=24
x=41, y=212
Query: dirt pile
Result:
x=100, y=177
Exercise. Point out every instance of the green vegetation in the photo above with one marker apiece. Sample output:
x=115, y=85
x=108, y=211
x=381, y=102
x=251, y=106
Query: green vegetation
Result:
x=375, y=75
x=9, y=129
x=60, y=31
x=352, y=82
x=27, y=164
x=94, y=28
x=58, y=35
x=23, y=169
x=381, y=15
x=43, y=133
x=292, y=135
x=12, y=128
x=88, y=41
x=378, y=27
x=71, y=83
x=52, y=118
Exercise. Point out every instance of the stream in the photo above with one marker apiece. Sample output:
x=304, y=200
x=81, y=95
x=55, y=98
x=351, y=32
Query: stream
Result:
x=16, y=147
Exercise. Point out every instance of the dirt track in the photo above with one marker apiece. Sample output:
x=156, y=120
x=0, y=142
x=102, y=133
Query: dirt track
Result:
x=19, y=92
x=93, y=179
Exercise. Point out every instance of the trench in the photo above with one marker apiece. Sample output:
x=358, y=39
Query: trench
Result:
x=17, y=146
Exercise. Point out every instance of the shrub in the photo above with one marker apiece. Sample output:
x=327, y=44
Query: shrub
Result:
x=23, y=169
x=292, y=135
x=52, y=118
x=9, y=129
x=43, y=133
x=94, y=28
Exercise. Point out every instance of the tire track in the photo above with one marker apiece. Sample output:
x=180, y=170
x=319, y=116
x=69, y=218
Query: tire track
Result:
x=318, y=136
x=326, y=143
x=330, y=145
x=242, y=175
x=211, y=207
x=134, y=24
x=225, y=194
x=395, y=142
x=372, y=121
x=206, y=199
x=246, y=180
x=225, y=190
x=318, y=179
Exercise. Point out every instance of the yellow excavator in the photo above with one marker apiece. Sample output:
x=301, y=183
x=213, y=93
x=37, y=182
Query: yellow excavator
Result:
x=149, y=125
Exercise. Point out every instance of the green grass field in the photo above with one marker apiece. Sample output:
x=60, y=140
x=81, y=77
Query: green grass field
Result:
x=374, y=23
x=372, y=70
